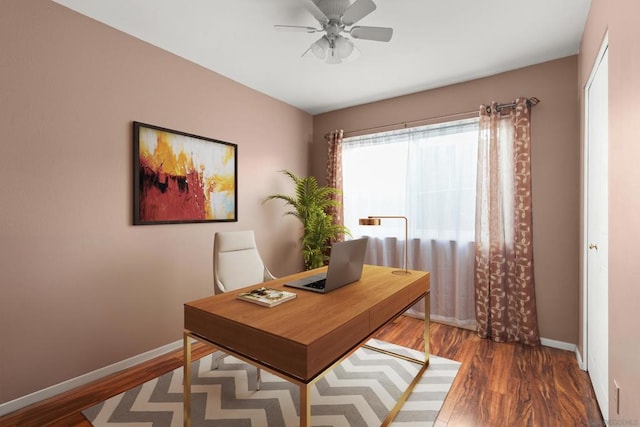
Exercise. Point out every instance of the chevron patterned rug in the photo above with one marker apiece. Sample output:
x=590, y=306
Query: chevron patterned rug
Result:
x=359, y=392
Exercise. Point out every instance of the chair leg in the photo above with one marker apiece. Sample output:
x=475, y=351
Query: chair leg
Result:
x=258, y=379
x=216, y=360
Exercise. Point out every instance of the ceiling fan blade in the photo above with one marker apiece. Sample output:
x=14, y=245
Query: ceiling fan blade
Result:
x=358, y=10
x=380, y=34
x=315, y=11
x=296, y=28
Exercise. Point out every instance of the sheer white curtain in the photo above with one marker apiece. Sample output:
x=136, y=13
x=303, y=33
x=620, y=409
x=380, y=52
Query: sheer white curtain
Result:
x=427, y=174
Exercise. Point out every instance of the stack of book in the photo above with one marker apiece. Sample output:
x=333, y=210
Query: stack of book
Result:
x=267, y=297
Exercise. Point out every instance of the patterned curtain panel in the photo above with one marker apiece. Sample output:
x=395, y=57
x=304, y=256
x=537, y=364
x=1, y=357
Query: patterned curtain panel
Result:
x=504, y=283
x=334, y=174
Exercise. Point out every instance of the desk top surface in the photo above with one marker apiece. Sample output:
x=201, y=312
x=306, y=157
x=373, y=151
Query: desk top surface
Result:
x=317, y=327
x=312, y=314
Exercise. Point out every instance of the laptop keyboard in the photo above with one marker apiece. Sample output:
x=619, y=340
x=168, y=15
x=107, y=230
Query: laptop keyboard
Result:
x=316, y=285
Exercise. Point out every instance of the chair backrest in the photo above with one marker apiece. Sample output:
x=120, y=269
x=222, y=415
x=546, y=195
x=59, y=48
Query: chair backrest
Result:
x=236, y=261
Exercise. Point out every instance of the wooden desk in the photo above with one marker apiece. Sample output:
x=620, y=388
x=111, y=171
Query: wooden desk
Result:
x=301, y=339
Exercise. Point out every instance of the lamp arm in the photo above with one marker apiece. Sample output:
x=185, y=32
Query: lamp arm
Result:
x=406, y=235
x=384, y=216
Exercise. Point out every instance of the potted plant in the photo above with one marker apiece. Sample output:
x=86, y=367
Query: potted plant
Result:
x=310, y=205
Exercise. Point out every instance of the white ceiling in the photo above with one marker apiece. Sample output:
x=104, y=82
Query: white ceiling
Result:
x=435, y=43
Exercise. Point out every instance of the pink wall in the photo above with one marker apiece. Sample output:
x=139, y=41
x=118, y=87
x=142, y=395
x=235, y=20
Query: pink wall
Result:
x=81, y=287
x=620, y=19
x=555, y=167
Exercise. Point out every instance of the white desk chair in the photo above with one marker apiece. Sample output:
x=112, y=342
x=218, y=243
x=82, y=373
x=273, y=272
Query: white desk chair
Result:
x=236, y=264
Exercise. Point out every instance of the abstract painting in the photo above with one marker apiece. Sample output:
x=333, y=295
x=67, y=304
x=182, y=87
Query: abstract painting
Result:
x=180, y=177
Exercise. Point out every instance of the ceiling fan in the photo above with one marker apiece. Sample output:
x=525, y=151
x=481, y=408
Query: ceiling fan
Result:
x=337, y=17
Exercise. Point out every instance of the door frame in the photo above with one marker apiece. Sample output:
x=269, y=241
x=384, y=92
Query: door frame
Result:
x=583, y=360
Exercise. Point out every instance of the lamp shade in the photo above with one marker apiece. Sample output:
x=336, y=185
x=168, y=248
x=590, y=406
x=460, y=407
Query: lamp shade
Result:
x=320, y=47
x=344, y=47
x=369, y=221
x=332, y=49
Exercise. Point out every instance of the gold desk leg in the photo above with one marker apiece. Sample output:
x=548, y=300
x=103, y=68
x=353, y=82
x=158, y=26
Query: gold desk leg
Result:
x=423, y=365
x=305, y=405
x=401, y=401
x=427, y=314
x=187, y=380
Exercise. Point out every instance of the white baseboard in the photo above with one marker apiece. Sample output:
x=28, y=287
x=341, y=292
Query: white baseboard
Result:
x=581, y=363
x=558, y=344
x=56, y=389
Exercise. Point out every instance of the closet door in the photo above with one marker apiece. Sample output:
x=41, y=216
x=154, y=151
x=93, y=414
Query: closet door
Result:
x=597, y=231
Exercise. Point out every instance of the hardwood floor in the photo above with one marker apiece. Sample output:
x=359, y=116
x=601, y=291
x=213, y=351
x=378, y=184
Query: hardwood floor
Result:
x=504, y=384
x=498, y=384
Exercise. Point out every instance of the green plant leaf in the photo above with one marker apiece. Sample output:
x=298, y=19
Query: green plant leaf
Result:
x=309, y=205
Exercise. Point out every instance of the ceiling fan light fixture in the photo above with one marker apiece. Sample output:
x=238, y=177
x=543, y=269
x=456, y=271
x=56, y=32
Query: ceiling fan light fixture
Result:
x=344, y=46
x=337, y=17
x=320, y=47
x=333, y=56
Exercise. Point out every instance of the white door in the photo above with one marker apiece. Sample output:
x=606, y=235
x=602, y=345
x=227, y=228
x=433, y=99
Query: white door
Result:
x=597, y=229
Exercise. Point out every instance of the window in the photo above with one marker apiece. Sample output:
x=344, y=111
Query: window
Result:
x=426, y=173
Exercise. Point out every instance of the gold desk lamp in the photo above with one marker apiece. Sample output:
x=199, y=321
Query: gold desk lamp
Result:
x=376, y=220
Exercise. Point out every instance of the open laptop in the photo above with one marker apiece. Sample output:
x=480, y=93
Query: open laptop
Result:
x=345, y=266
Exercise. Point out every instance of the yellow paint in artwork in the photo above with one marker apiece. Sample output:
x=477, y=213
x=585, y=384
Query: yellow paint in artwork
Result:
x=164, y=158
x=224, y=183
x=220, y=183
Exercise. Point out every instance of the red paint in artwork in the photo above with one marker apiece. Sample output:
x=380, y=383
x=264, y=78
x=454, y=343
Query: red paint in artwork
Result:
x=165, y=197
x=171, y=189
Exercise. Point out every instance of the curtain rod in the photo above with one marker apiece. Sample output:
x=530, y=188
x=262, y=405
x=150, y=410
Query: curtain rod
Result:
x=533, y=101
x=411, y=123
x=467, y=114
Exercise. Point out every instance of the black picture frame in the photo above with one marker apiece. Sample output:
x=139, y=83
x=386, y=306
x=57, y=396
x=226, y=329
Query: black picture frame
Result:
x=180, y=177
